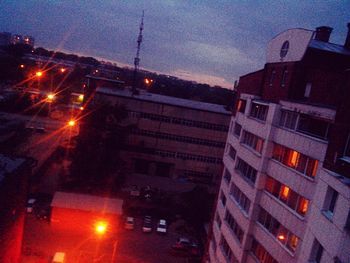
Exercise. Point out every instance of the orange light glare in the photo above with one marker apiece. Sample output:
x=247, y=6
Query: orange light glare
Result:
x=101, y=228
x=71, y=123
x=281, y=237
x=51, y=96
x=62, y=70
x=38, y=73
x=81, y=97
x=22, y=66
x=81, y=108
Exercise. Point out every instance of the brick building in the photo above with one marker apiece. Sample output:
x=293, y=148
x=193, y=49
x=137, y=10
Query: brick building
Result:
x=285, y=190
x=175, y=143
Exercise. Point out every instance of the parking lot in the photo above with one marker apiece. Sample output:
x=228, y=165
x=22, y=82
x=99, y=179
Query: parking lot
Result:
x=41, y=241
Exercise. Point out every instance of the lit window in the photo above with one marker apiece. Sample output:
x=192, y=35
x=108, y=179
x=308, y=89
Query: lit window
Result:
x=241, y=105
x=293, y=158
x=303, y=206
x=284, y=192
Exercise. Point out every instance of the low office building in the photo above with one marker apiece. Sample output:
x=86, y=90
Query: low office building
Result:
x=83, y=213
x=175, y=143
x=285, y=191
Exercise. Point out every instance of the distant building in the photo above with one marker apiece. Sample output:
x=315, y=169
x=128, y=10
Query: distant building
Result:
x=5, y=39
x=29, y=40
x=285, y=190
x=14, y=174
x=175, y=143
x=81, y=212
x=16, y=39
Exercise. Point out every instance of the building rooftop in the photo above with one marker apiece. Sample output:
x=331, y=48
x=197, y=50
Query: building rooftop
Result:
x=87, y=203
x=330, y=47
x=9, y=165
x=151, y=97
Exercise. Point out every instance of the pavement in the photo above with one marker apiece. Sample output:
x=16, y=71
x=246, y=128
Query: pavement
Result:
x=41, y=241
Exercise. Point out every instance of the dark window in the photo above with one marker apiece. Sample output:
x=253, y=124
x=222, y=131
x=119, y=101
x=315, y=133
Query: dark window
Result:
x=288, y=119
x=218, y=220
x=246, y=170
x=253, y=141
x=314, y=127
x=284, y=77
x=231, y=152
x=227, y=176
x=237, y=129
x=223, y=199
x=259, y=111
x=330, y=201
x=240, y=198
x=272, y=77
x=227, y=251
x=307, y=90
x=316, y=252
x=236, y=229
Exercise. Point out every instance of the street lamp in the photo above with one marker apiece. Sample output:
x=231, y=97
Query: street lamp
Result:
x=62, y=70
x=39, y=74
x=71, y=123
x=101, y=227
x=50, y=97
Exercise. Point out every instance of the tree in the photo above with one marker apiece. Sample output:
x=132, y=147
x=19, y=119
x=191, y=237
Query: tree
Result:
x=96, y=158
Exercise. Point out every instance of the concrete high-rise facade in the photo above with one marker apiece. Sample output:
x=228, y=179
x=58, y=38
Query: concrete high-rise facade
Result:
x=285, y=189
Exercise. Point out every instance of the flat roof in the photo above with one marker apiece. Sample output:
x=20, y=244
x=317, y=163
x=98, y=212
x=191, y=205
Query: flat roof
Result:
x=162, y=99
x=330, y=47
x=86, y=202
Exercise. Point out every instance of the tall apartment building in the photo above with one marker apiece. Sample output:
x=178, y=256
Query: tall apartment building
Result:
x=285, y=190
x=175, y=143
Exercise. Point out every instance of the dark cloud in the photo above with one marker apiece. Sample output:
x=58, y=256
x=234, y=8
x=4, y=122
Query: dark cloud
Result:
x=209, y=41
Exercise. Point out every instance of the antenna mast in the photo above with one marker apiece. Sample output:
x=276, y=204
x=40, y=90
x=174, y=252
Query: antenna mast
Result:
x=137, y=58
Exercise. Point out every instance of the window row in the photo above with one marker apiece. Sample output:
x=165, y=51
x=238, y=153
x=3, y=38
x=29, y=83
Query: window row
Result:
x=253, y=141
x=180, y=121
x=236, y=229
x=283, y=78
x=305, y=124
x=287, y=196
x=295, y=160
x=173, y=137
x=226, y=250
x=241, y=199
x=187, y=156
x=246, y=170
x=261, y=253
x=282, y=234
x=196, y=177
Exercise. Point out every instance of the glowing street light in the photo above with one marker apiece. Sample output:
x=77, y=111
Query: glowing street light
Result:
x=81, y=108
x=51, y=96
x=21, y=66
x=39, y=74
x=81, y=97
x=71, y=123
x=62, y=70
x=101, y=227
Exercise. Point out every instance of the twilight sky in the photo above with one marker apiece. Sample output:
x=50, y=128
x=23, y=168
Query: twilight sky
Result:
x=209, y=41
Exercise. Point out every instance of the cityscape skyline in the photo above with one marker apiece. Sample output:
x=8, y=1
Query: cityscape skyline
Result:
x=199, y=41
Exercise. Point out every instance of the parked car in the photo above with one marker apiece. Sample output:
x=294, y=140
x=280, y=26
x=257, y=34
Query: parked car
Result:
x=187, y=245
x=147, y=224
x=30, y=205
x=162, y=226
x=129, y=223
